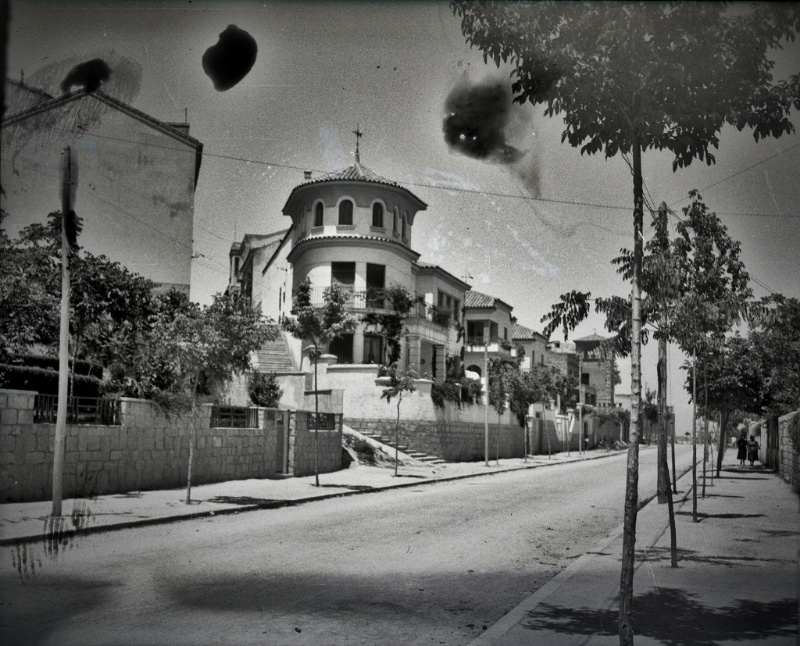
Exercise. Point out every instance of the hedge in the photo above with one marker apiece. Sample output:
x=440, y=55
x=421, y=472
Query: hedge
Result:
x=17, y=377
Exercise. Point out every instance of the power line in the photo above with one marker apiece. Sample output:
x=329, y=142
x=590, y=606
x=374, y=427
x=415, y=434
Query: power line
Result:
x=744, y=170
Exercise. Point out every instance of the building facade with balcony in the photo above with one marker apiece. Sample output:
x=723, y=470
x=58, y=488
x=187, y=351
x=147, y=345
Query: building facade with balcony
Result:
x=489, y=329
x=597, y=365
x=353, y=228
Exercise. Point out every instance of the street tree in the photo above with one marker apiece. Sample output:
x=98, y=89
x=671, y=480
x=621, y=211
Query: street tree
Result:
x=775, y=338
x=400, y=381
x=501, y=375
x=631, y=77
x=108, y=303
x=527, y=387
x=189, y=352
x=735, y=379
x=318, y=325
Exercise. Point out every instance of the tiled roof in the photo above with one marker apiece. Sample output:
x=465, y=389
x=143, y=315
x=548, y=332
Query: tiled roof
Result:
x=592, y=337
x=355, y=236
x=482, y=301
x=522, y=332
x=356, y=173
x=436, y=268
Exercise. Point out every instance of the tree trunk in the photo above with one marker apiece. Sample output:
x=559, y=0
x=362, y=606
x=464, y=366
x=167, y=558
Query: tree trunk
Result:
x=694, y=439
x=723, y=428
x=316, y=418
x=664, y=488
x=525, y=439
x=397, y=436
x=192, y=437
x=625, y=620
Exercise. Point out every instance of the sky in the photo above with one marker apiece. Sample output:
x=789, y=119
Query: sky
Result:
x=525, y=232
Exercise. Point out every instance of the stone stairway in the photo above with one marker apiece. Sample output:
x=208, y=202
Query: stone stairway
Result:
x=274, y=356
x=417, y=455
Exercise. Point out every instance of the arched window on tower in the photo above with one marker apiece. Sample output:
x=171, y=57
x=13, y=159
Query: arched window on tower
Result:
x=346, y=212
x=396, y=222
x=377, y=215
x=405, y=225
x=318, y=213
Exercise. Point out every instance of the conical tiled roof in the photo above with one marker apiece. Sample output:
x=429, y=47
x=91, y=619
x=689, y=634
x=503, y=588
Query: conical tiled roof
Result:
x=354, y=173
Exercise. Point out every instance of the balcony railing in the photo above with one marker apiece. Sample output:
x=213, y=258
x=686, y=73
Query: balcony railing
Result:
x=371, y=299
x=234, y=417
x=434, y=314
x=80, y=410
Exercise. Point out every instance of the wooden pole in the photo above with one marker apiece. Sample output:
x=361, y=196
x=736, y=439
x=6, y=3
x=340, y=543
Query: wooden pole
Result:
x=63, y=339
x=486, y=400
x=580, y=403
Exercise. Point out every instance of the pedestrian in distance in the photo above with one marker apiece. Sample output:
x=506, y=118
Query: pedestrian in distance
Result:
x=752, y=450
x=741, y=444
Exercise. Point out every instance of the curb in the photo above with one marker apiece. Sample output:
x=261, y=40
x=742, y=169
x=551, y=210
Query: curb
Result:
x=278, y=504
x=514, y=616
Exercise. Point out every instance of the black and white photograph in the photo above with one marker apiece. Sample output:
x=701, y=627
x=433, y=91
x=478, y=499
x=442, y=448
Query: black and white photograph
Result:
x=354, y=323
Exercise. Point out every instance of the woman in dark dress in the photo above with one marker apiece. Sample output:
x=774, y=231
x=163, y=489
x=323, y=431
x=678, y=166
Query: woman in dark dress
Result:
x=752, y=450
x=741, y=444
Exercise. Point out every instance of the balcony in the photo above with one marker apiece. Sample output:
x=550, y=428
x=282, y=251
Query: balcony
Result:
x=495, y=346
x=370, y=300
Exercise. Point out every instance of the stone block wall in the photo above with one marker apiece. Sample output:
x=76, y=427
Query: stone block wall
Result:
x=148, y=451
x=449, y=440
x=789, y=460
x=301, y=446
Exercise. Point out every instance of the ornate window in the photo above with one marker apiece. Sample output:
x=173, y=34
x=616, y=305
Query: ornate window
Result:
x=318, y=214
x=377, y=215
x=346, y=212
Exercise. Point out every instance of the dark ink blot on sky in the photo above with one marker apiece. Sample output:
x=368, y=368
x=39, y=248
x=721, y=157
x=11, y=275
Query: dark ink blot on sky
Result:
x=476, y=118
x=89, y=75
x=231, y=58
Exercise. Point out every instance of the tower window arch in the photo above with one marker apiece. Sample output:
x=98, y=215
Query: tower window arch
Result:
x=377, y=215
x=405, y=225
x=318, y=214
x=396, y=222
x=346, y=212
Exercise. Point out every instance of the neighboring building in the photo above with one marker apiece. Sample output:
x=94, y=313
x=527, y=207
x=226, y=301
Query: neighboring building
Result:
x=136, y=176
x=533, y=345
x=353, y=228
x=598, y=367
x=489, y=330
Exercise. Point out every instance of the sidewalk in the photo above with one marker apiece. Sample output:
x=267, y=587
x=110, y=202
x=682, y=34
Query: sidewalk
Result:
x=29, y=522
x=737, y=580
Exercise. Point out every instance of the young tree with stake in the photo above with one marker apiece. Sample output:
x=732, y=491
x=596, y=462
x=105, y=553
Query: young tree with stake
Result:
x=319, y=326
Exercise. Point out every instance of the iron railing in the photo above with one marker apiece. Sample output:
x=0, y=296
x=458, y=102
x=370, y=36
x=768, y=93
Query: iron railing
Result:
x=371, y=299
x=327, y=421
x=234, y=417
x=80, y=410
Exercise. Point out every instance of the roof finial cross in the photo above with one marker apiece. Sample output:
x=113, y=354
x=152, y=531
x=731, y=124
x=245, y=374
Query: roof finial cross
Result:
x=357, y=132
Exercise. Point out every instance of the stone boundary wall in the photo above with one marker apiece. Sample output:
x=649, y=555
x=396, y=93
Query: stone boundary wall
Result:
x=451, y=441
x=789, y=460
x=148, y=451
x=301, y=450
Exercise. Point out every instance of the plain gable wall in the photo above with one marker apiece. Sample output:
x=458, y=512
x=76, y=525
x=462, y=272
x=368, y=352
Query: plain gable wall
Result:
x=135, y=188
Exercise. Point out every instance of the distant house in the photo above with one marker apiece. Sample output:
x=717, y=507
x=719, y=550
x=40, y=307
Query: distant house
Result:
x=353, y=228
x=533, y=346
x=489, y=330
x=136, y=176
x=598, y=368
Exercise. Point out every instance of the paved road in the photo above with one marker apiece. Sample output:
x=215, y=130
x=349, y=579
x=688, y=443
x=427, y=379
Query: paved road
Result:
x=427, y=565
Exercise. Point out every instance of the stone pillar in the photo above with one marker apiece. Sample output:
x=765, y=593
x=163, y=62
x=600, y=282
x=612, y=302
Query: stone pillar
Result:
x=414, y=351
x=441, y=362
x=358, y=345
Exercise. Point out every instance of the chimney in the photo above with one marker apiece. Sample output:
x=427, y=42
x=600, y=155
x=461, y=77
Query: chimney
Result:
x=306, y=174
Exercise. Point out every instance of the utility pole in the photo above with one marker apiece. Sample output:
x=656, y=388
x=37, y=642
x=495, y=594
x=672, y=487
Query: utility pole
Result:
x=63, y=339
x=580, y=402
x=486, y=399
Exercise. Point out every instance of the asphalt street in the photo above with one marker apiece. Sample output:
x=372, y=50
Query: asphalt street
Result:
x=432, y=564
